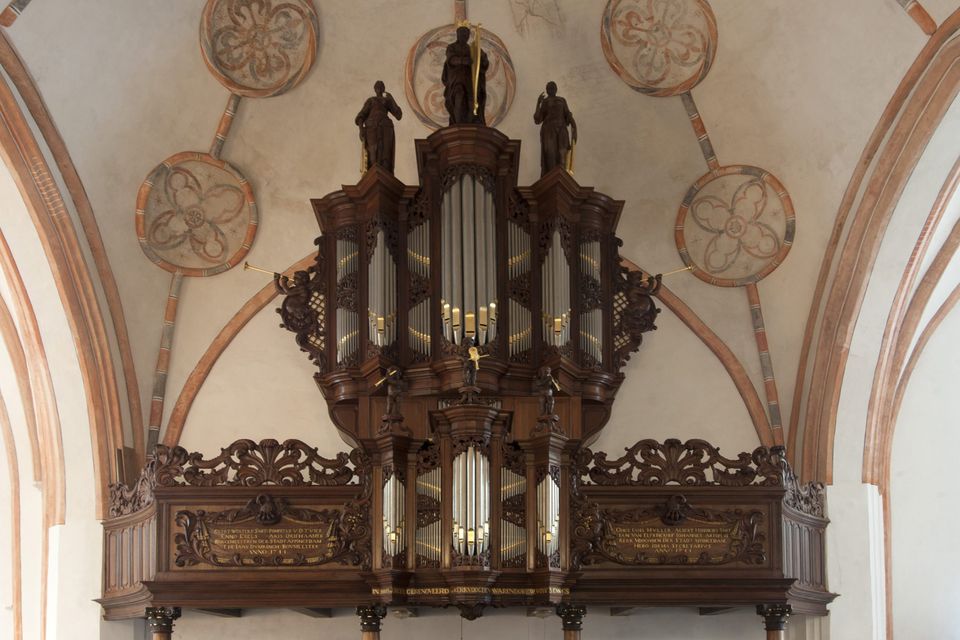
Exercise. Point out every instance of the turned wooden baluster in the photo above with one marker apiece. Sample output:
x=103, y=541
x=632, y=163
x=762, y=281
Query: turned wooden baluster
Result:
x=775, y=619
x=572, y=617
x=370, y=617
x=160, y=621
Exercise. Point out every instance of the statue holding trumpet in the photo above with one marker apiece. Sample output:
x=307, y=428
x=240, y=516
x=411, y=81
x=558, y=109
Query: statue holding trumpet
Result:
x=396, y=387
x=464, y=77
x=545, y=385
x=471, y=365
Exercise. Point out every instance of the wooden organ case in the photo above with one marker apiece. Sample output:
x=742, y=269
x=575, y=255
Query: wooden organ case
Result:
x=468, y=336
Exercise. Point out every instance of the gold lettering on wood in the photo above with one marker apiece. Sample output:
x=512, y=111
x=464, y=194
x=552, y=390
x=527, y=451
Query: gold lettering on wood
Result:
x=265, y=533
x=271, y=541
x=660, y=540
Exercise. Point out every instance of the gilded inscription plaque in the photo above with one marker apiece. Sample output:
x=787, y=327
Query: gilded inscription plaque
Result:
x=266, y=532
x=674, y=533
x=653, y=541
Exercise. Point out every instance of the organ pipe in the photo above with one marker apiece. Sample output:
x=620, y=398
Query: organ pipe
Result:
x=548, y=515
x=555, y=279
x=471, y=503
x=394, y=526
x=348, y=328
x=468, y=250
x=381, y=307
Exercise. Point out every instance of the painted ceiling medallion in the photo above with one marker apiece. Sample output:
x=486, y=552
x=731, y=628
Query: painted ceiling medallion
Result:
x=735, y=226
x=259, y=48
x=659, y=47
x=196, y=215
x=424, y=66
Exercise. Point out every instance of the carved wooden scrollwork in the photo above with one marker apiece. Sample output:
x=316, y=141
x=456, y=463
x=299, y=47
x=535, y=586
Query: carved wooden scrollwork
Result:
x=519, y=289
x=479, y=173
x=244, y=463
x=591, y=293
x=304, y=308
x=163, y=467
x=634, y=312
x=808, y=498
x=690, y=463
x=428, y=510
x=428, y=458
x=518, y=210
x=390, y=232
x=419, y=209
x=480, y=443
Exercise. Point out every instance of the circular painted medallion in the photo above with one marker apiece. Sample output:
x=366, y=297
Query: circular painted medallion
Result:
x=259, y=48
x=196, y=215
x=424, y=67
x=659, y=47
x=735, y=226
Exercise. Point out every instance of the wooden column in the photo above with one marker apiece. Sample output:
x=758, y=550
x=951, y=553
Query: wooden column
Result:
x=160, y=621
x=370, y=617
x=572, y=617
x=775, y=619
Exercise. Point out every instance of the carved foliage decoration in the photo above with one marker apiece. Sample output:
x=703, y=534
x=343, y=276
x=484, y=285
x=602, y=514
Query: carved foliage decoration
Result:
x=244, y=463
x=634, y=312
x=808, y=498
x=480, y=173
x=304, y=309
x=694, y=463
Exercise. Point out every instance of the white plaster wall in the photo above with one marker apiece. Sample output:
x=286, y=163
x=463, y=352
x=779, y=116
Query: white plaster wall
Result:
x=923, y=493
x=74, y=547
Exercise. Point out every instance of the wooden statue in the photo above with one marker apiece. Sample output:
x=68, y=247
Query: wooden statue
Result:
x=554, y=117
x=545, y=385
x=464, y=79
x=376, y=127
x=296, y=306
x=396, y=387
x=469, y=392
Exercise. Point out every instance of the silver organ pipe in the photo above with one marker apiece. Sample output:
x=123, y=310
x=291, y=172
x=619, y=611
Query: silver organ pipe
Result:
x=471, y=503
x=591, y=320
x=418, y=262
x=555, y=278
x=518, y=265
x=513, y=539
x=394, y=526
x=382, y=302
x=428, y=537
x=468, y=254
x=348, y=328
x=548, y=516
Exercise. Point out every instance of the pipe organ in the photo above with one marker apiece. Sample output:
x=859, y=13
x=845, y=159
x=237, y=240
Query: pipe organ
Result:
x=469, y=336
x=472, y=286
